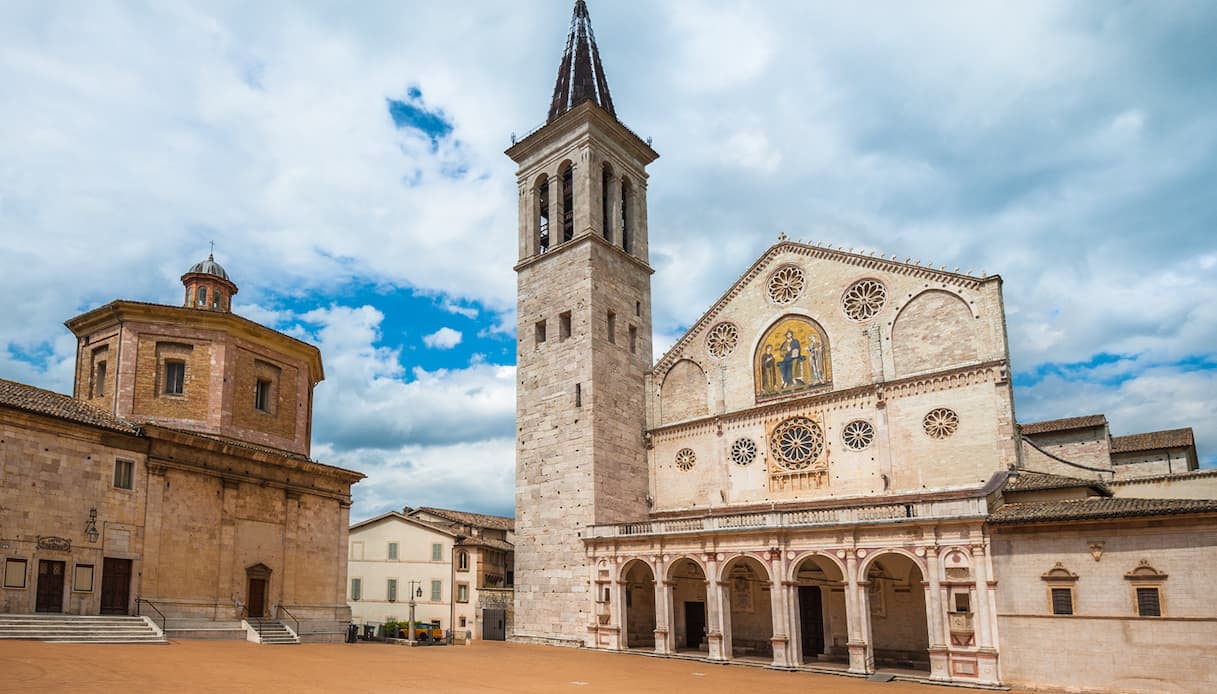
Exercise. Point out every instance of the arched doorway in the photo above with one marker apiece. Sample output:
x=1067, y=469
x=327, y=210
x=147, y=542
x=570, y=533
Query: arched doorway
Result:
x=896, y=604
x=688, y=605
x=639, y=605
x=749, y=609
x=822, y=627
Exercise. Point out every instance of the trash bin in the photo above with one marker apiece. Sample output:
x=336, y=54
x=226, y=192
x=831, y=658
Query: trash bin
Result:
x=352, y=632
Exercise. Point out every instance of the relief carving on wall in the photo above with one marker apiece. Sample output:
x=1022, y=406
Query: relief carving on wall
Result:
x=793, y=357
x=57, y=544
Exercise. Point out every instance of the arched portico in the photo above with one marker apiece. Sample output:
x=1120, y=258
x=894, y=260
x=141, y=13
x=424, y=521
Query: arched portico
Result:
x=818, y=606
x=686, y=608
x=638, y=586
x=893, y=594
x=747, y=608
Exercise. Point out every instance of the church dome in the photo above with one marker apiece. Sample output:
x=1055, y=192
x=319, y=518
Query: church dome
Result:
x=209, y=267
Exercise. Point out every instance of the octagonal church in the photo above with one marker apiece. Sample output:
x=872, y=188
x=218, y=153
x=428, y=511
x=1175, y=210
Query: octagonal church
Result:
x=826, y=471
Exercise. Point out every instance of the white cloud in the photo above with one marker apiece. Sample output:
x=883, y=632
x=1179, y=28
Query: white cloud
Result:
x=444, y=338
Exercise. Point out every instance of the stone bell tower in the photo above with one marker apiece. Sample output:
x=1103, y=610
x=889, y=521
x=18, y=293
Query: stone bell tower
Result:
x=584, y=341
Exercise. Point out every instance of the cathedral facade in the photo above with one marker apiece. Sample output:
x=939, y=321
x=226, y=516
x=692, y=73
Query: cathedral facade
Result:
x=826, y=471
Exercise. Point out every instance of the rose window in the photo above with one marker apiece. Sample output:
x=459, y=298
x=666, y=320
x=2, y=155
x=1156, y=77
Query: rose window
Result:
x=743, y=451
x=686, y=459
x=786, y=284
x=796, y=443
x=864, y=299
x=722, y=339
x=940, y=423
x=858, y=434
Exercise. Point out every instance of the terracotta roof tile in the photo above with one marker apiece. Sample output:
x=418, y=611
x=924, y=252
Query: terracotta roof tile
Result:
x=491, y=542
x=480, y=520
x=1093, y=508
x=1083, y=422
x=1031, y=481
x=1170, y=438
x=31, y=399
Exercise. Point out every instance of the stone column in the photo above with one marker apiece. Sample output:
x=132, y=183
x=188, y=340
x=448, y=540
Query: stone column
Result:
x=527, y=221
x=618, y=627
x=555, y=209
x=150, y=582
x=935, y=615
x=226, y=607
x=986, y=652
x=716, y=624
x=857, y=609
x=614, y=209
x=641, y=237
x=779, y=596
x=342, y=609
x=663, y=614
x=291, y=525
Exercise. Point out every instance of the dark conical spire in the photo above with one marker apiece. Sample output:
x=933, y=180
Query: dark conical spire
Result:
x=581, y=76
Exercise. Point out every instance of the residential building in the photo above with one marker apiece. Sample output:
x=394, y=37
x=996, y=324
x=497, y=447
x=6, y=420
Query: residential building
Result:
x=453, y=567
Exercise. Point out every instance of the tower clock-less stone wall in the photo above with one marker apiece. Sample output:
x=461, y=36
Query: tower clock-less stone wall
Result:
x=584, y=343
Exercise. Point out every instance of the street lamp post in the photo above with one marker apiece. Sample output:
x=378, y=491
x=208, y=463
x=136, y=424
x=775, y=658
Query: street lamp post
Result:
x=416, y=591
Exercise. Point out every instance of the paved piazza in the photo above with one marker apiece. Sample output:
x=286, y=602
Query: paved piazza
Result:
x=210, y=666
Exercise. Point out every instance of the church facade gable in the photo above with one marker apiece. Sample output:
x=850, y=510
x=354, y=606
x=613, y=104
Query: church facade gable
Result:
x=831, y=367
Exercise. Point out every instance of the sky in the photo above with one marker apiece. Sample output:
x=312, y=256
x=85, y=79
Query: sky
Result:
x=347, y=161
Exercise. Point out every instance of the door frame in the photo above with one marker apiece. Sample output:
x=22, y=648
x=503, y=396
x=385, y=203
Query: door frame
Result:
x=38, y=590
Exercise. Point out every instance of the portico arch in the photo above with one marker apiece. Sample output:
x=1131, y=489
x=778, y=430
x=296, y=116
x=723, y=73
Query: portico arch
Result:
x=639, y=594
x=748, y=611
x=893, y=584
x=687, y=581
x=819, y=606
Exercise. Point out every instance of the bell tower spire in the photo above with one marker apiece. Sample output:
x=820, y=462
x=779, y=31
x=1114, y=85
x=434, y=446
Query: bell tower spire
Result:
x=584, y=341
x=580, y=76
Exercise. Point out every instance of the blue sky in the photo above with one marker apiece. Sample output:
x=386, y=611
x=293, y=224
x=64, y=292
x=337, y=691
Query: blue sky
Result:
x=347, y=161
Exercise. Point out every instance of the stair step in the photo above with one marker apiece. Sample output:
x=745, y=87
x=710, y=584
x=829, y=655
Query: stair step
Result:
x=60, y=628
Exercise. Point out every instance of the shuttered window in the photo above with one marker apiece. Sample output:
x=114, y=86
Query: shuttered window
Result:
x=356, y=588
x=392, y=590
x=437, y=588
x=1149, y=602
x=1062, y=601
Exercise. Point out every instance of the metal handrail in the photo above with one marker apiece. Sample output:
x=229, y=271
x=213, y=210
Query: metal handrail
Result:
x=164, y=620
x=291, y=617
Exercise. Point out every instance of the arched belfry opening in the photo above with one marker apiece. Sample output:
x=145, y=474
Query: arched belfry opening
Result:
x=607, y=196
x=627, y=215
x=567, y=174
x=541, y=214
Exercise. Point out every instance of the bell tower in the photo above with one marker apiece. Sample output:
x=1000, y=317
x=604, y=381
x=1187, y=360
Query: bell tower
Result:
x=584, y=341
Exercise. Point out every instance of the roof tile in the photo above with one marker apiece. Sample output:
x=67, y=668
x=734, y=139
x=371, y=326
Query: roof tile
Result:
x=1083, y=422
x=31, y=399
x=1152, y=440
x=480, y=520
x=1092, y=508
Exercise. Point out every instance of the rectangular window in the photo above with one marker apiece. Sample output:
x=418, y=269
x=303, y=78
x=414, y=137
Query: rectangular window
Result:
x=963, y=602
x=1149, y=602
x=392, y=550
x=356, y=588
x=437, y=589
x=82, y=580
x=463, y=621
x=14, y=573
x=462, y=592
x=578, y=395
x=638, y=308
x=633, y=339
x=539, y=330
x=175, y=377
x=262, y=396
x=437, y=552
x=202, y=296
x=124, y=474
x=564, y=326
x=612, y=327
x=392, y=590
x=1062, y=601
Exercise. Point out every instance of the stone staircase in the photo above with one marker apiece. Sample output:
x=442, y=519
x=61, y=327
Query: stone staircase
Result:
x=272, y=632
x=63, y=628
